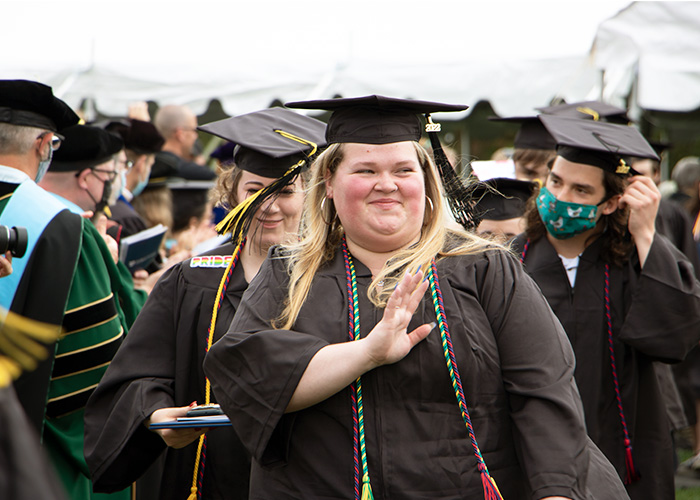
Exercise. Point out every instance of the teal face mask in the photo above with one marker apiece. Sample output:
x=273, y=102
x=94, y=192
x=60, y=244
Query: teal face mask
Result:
x=138, y=189
x=563, y=219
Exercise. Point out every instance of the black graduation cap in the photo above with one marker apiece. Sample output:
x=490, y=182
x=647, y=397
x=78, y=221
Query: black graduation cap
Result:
x=660, y=146
x=374, y=119
x=270, y=141
x=589, y=110
x=170, y=170
x=139, y=136
x=85, y=146
x=531, y=135
x=502, y=198
x=275, y=143
x=597, y=143
x=32, y=104
x=224, y=153
x=164, y=167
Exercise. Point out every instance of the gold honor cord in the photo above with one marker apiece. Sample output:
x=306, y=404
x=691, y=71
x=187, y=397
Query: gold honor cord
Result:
x=22, y=344
x=210, y=339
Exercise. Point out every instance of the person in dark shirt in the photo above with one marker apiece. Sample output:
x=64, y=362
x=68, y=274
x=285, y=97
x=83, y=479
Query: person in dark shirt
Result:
x=624, y=294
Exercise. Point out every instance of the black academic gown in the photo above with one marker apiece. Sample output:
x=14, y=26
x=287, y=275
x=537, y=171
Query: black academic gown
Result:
x=522, y=399
x=673, y=221
x=158, y=366
x=25, y=472
x=128, y=220
x=42, y=294
x=655, y=317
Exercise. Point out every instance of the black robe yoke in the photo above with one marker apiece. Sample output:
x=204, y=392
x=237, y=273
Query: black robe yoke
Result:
x=520, y=391
x=157, y=366
x=655, y=316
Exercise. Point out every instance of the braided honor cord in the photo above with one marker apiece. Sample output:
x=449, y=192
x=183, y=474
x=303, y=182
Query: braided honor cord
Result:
x=490, y=489
x=358, y=420
x=632, y=472
x=198, y=474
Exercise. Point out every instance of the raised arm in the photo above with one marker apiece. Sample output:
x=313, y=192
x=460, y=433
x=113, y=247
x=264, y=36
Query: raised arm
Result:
x=336, y=366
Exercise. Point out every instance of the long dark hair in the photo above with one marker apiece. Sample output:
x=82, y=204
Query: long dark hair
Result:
x=617, y=242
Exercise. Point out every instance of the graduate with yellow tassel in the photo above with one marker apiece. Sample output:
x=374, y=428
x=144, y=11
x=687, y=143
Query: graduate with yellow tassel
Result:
x=156, y=376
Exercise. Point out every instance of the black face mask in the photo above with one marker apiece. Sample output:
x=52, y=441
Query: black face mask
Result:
x=104, y=199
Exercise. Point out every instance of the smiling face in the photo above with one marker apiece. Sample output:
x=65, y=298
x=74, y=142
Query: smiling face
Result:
x=278, y=219
x=379, y=195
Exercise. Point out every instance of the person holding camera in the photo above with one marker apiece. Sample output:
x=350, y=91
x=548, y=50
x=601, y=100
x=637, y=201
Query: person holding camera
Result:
x=6, y=264
x=31, y=118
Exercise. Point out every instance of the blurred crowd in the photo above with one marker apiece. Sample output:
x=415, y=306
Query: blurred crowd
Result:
x=569, y=273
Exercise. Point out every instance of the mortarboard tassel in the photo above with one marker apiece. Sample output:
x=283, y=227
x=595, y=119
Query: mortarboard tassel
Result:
x=459, y=196
x=589, y=111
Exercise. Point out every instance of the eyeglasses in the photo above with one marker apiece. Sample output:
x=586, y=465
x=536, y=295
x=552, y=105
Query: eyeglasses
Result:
x=127, y=165
x=112, y=174
x=56, y=140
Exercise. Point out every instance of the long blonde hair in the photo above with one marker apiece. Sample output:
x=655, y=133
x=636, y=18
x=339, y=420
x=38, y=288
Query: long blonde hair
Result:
x=322, y=232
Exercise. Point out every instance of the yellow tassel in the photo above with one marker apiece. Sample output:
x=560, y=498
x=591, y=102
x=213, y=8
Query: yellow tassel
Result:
x=193, y=493
x=21, y=344
x=589, y=111
x=9, y=370
x=366, y=489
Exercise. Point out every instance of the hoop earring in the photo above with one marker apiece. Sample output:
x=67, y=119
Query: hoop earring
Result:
x=432, y=208
x=323, y=209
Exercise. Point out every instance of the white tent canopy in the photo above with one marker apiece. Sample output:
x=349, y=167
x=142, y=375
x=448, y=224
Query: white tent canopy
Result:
x=651, y=50
x=515, y=55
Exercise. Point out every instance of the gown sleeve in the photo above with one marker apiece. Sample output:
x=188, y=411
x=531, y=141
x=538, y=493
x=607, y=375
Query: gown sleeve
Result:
x=118, y=447
x=663, y=320
x=254, y=394
x=537, y=365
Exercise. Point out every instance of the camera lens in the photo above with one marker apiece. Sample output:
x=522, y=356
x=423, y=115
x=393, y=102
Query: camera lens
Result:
x=14, y=239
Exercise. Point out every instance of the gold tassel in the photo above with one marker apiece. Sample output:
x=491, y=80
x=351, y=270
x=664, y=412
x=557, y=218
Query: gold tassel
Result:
x=9, y=371
x=589, y=111
x=366, y=488
x=21, y=344
x=193, y=493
